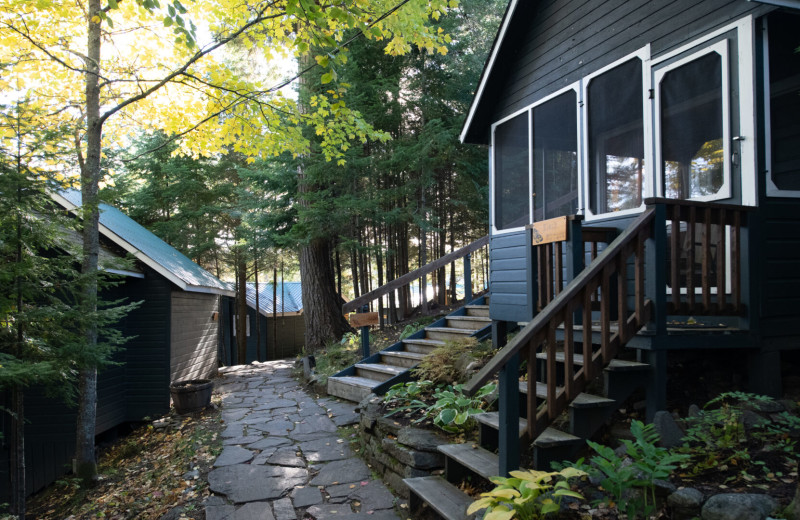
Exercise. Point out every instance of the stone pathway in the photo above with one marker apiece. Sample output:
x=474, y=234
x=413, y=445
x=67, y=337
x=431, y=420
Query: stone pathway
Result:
x=282, y=457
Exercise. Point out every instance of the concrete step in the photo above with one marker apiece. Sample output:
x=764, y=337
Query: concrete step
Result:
x=447, y=333
x=447, y=500
x=468, y=322
x=477, y=310
x=352, y=388
x=401, y=358
x=378, y=371
x=422, y=346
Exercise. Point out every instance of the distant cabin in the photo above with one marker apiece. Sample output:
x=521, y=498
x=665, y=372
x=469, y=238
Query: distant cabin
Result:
x=175, y=336
x=280, y=318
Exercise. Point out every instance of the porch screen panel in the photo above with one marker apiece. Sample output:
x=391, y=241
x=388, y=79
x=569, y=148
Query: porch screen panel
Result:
x=555, y=157
x=691, y=129
x=511, y=182
x=784, y=88
x=616, y=138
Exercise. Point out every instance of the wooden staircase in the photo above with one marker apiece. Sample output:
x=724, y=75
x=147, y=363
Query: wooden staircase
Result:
x=564, y=357
x=379, y=372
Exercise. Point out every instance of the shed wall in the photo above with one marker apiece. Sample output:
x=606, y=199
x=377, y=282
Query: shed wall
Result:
x=194, y=335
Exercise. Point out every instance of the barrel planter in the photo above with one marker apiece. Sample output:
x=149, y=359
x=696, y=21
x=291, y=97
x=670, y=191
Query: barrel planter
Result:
x=191, y=395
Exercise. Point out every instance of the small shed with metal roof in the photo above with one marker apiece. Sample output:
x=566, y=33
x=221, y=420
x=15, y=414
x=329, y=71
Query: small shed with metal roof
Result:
x=280, y=327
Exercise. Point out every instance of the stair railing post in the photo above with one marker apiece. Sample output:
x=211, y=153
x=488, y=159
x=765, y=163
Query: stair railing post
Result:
x=576, y=256
x=467, y=278
x=365, y=336
x=656, y=290
x=508, y=392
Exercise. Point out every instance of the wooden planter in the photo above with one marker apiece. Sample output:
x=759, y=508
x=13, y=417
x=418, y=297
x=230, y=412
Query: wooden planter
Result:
x=191, y=395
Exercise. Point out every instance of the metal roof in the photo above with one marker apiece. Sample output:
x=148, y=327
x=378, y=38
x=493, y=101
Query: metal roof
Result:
x=148, y=248
x=289, y=298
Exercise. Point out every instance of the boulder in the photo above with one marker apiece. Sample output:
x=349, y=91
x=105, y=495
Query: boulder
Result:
x=685, y=503
x=739, y=506
x=671, y=434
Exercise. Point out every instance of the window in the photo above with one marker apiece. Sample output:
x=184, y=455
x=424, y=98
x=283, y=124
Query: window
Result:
x=692, y=128
x=511, y=173
x=616, y=138
x=555, y=157
x=784, y=104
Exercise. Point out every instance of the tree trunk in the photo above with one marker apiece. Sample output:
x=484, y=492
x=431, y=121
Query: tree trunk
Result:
x=85, y=463
x=322, y=308
x=241, y=308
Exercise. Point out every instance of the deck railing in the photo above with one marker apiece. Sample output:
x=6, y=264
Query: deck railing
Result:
x=618, y=277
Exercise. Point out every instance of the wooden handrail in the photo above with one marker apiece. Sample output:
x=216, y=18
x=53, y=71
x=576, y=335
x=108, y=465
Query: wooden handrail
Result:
x=414, y=275
x=559, y=303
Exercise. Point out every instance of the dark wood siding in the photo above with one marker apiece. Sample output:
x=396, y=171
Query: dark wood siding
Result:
x=564, y=41
x=510, y=264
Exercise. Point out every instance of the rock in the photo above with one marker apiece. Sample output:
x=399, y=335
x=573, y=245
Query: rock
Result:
x=419, y=439
x=248, y=483
x=738, y=506
x=254, y=511
x=160, y=424
x=191, y=475
x=233, y=455
x=694, y=411
x=306, y=496
x=789, y=405
x=664, y=488
x=770, y=406
x=341, y=471
x=751, y=419
x=410, y=457
x=284, y=510
x=685, y=503
x=173, y=514
x=668, y=429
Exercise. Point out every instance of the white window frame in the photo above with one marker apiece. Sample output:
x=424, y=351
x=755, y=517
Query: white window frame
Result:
x=575, y=87
x=647, y=183
x=721, y=48
x=772, y=189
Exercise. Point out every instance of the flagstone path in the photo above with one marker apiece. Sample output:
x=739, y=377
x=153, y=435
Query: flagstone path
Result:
x=282, y=457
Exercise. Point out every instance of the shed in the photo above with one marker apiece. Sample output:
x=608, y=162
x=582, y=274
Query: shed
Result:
x=174, y=334
x=280, y=309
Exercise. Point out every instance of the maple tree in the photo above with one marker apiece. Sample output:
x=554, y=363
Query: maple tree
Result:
x=162, y=66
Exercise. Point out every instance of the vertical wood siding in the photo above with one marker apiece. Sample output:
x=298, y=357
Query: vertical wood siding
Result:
x=194, y=336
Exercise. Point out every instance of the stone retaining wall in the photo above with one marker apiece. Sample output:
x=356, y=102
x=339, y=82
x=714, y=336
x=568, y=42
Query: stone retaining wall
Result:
x=396, y=452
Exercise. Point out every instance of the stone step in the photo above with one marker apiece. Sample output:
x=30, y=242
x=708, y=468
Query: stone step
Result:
x=422, y=346
x=477, y=310
x=472, y=457
x=468, y=322
x=378, y=371
x=447, y=333
x=400, y=358
x=352, y=388
x=448, y=501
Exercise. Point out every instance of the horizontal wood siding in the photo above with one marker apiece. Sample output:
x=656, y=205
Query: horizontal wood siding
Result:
x=510, y=268
x=291, y=336
x=194, y=336
x=562, y=41
x=147, y=353
x=780, y=257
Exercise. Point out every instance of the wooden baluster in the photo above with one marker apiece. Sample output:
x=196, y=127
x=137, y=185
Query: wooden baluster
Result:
x=690, y=229
x=588, y=366
x=639, y=274
x=569, y=351
x=594, y=256
x=549, y=271
x=675, y=258
x=559, y=275
x=721, y=254
x=605, y=314
x=622, y=296
x=707, y=260
x=736, y=262
x=552, y=411
x=540, y=303
x=532, y=405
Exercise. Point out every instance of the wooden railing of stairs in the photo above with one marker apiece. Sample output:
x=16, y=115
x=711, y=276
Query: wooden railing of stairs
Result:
x=644, y=243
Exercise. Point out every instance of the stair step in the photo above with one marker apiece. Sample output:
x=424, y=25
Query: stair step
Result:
x=473, y=457
x=492, y=419
x=352, y=388
x=447, y=333
x=584, y=400
x=616, y=364
x=477, y=310
x=422, y=346
x=443, y=497
x=541, y=389
x=468, y=322
x=378, y=371
x=551, y=438
x=401, y=359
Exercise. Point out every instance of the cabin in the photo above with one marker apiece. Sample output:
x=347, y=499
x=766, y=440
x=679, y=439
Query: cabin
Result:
x=174, y=336
x=644, y=182
x=281, y=327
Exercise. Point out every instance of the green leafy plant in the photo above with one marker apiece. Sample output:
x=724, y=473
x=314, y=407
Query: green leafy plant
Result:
x=649, y=463
x=408, y=397
x=453, y=409
x=527, y=495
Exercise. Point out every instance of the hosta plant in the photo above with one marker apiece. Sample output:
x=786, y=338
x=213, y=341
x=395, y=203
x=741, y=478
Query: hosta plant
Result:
x=527, y=495
x=453, y=408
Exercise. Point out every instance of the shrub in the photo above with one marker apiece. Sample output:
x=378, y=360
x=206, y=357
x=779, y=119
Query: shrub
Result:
x=440, y=366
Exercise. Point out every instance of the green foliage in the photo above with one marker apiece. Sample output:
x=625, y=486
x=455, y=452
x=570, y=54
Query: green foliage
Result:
x=453, y=410
x=527, y=495
x=440, y=364
x=649, y=463
x=408, y=397
x=337, y=356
